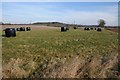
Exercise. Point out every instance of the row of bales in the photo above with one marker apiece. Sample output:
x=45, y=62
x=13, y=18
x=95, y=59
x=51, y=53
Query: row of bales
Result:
x=66, y=27
x=11, y=32
x=97, y=29
x=23, y=29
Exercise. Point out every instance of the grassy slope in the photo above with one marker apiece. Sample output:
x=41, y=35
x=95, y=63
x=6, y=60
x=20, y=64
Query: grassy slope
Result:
x=48, y=44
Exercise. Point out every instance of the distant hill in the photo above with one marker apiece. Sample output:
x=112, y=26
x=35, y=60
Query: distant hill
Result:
x=59, y=24
x=55, y=24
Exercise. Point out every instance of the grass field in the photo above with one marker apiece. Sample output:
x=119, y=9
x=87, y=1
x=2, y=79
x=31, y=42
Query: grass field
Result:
x=28, y=50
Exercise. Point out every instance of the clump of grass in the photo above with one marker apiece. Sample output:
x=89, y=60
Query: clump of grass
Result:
x=18, y=68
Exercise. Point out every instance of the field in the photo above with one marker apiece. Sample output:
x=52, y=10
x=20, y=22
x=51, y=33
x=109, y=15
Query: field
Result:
x=47, y=52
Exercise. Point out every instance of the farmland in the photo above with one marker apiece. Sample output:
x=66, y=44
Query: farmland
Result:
x=47, y=52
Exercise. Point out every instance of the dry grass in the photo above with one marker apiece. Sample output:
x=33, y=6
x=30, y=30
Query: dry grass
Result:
x=91, y=67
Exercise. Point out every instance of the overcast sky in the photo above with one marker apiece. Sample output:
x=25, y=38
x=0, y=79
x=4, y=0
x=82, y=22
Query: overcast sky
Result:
x=84, y=13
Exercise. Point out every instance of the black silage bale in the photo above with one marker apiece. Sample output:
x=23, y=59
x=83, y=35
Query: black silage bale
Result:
x=95, y=28
x=87, y=29
x=75, y=27
x=63, y=29
x=28, y=28
x=99, y=29
x=91, y=28
x=10, y=32
x=22, y=28
x=17, y=29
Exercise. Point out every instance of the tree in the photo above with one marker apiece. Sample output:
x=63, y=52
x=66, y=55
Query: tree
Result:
x=101, y=23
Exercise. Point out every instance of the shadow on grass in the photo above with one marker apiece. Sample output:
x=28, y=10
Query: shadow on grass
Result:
x=3, y=35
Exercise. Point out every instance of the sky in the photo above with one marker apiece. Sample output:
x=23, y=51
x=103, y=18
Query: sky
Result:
x=85, y=13
x=60, y=0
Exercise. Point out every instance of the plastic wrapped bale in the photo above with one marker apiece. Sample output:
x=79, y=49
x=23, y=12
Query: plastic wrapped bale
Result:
x=22, y=29
x=28, y=29
x=17, y=29
x=75, y=27
x=85, y=28
x=95, y=28
x=99, y=29
x=63, y=29
x=91, y=28
x=10, y=32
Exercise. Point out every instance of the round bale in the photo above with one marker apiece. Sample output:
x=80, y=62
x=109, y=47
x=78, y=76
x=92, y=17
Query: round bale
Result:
x=10, y=32
x=99, y=29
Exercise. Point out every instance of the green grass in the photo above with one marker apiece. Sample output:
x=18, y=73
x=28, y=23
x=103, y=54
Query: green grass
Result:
x=46, y=44
x=29, y=52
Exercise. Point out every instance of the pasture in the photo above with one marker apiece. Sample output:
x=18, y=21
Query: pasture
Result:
x=22, y=55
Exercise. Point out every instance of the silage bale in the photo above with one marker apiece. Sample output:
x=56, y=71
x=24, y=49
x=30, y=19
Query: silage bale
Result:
x=95, y=28
x=28, y=29
x=91, y=28
x=17, y=29
x=63, y=29
x=85, y=28
x=99, y=29
x=22, y=28
x=75, y=27
x=10, y=32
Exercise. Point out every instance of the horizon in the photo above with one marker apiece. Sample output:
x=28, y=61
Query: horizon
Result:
x=83, y=13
